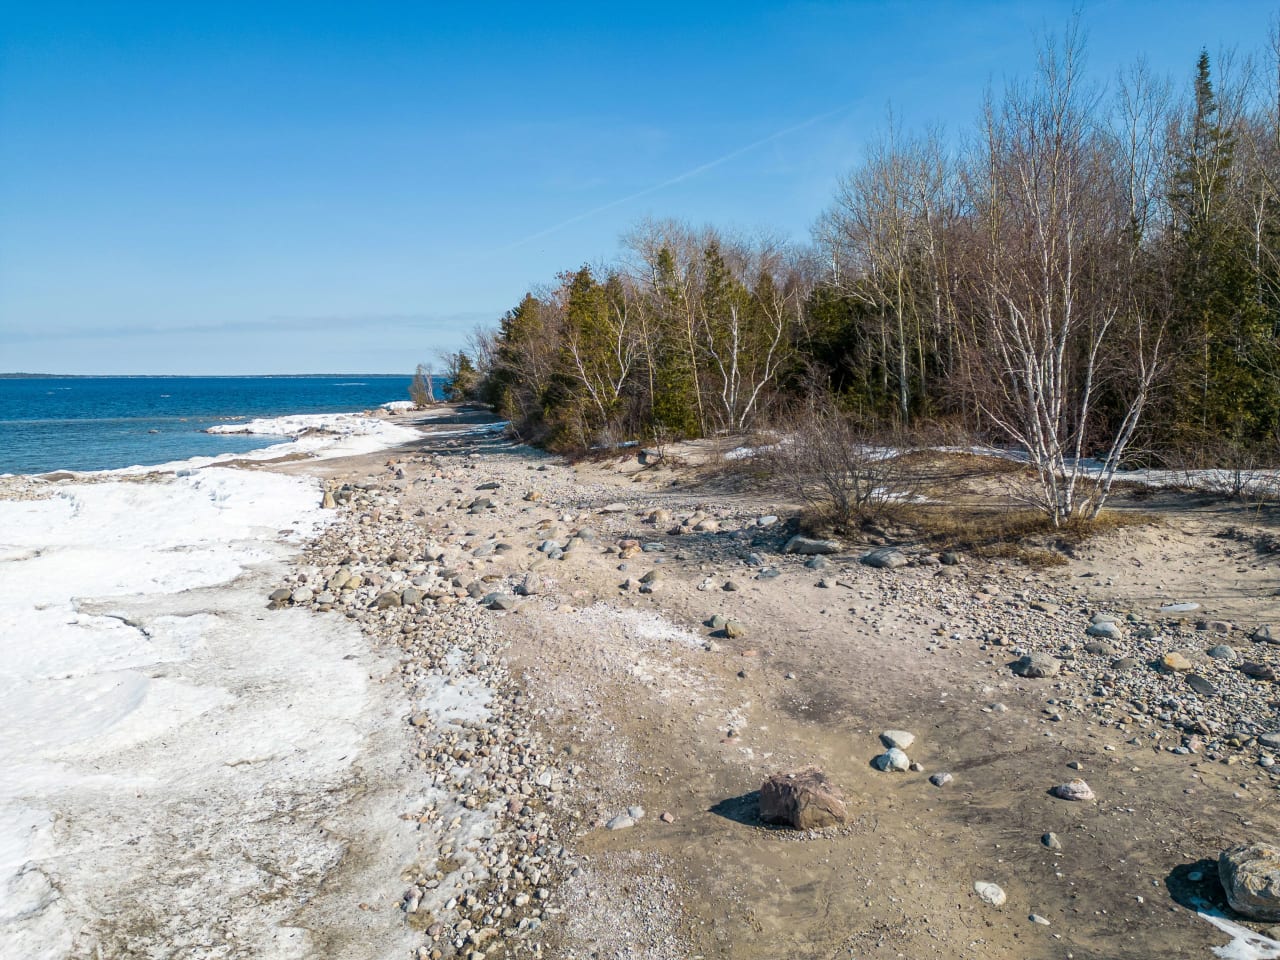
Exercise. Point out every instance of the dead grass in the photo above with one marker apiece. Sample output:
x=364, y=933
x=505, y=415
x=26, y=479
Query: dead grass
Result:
x=1024, y=535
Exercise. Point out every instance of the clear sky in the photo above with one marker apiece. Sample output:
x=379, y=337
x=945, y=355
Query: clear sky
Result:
x=270, y=187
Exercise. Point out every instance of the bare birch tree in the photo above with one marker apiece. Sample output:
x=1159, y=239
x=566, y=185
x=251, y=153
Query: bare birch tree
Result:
x=1051, y=302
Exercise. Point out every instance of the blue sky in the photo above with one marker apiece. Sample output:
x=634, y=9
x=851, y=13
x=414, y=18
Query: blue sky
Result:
x=270, y=187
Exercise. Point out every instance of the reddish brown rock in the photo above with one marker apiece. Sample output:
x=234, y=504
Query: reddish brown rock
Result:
x=1259, y=671
x=804, y=799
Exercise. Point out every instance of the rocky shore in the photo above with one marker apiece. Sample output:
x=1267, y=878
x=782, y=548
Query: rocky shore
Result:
x=574, y=643
x=630, y=710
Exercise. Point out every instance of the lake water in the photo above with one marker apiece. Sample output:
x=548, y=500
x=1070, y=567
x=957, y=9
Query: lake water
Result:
x=104, y=423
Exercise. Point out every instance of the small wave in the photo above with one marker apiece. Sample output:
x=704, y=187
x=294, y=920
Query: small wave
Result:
x=353, y=383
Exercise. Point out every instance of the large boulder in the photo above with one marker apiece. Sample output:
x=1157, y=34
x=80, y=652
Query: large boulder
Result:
x=1250, y=874
x=804, y=799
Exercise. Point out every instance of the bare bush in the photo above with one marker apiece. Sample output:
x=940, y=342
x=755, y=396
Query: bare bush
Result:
x=839, y=466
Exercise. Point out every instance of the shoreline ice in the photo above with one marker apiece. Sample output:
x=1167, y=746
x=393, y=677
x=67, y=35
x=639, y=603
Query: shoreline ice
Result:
x=146, y=699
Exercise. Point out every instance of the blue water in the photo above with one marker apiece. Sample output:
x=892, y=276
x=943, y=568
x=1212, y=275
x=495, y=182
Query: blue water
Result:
x=103, y=423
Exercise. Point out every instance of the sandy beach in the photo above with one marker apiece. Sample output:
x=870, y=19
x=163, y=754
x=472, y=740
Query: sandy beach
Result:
x=460, y=698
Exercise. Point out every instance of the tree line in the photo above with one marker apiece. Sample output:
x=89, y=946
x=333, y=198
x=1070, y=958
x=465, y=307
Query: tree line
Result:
x=1087, y=273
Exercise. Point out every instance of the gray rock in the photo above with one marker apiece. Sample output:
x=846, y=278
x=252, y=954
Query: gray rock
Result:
x=886, y=558
x=898, y=738
x=1265, y=634
x=1270, y=740
x=768, y=573
x=805, y=800
x=730, y=586
x=386, y=600
x=499, y=601
x=1222, y=652
x=1051, y=841
x=807, y=546
x=1099, y=648
x=893, y=760
x=990, y=893
x=1036, y=918
x=530, y=586
x=717, y=622
x=1179, y=607
x=279, y=596
x=1250, y=875
x=1037, y=665
x=411, y=596
x=1075, y=789
x=1106, y=629
x=1201, y=685
x=949, y=558
x=940, y=779
x=816, y=563
x=620, y=822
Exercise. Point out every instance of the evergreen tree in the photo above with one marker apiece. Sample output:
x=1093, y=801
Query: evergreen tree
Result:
x=1221, y=402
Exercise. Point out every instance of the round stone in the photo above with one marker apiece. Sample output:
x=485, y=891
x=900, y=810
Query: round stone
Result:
x=990, y=893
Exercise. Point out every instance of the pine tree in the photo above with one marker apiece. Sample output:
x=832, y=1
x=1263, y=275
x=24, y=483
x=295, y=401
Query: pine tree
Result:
x=1221, y=403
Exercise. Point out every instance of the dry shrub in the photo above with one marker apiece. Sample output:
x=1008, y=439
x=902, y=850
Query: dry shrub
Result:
x=844, y=470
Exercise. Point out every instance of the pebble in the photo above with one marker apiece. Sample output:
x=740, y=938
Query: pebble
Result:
x=1051, y=841
x=940, y=779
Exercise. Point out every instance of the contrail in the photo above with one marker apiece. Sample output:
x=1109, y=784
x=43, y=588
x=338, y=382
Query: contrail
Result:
x=679, y=178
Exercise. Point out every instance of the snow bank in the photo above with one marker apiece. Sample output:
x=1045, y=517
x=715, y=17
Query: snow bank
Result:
x=143, y=712
x=1245, y=944
x=321, y=436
